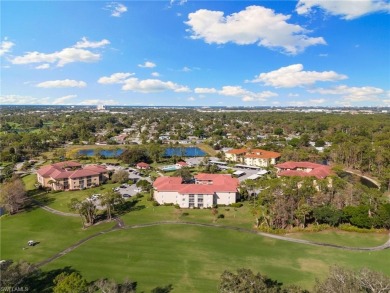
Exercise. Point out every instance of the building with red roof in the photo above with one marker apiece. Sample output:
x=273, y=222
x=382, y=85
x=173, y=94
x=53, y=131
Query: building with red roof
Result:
x=143, y=166
x=303, y=169
x=71, y=175
x=208, y=190
x=253, y=157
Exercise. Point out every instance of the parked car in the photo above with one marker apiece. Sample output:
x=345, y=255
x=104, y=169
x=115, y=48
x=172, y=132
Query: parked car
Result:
x=125, y=195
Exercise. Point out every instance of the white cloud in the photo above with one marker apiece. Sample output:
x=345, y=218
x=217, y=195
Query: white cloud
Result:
x=203, y=90
x=255, y=24
x=61, y=83
x=152, y=86
x=43, y=66
x=22, y=100
x=293, y=75
x=191, y=99
x=245, y=95
x=65, y=56
x=84, y=43
x=61, y=101
x=116, y=9
x=293, y=95
x=147, y=64
x=186, y=69
x=352, y=94
x=317, y=101
x=155, y=74
x=98, y=102
x=118, y=77
x=347, y=9
x=6, y=46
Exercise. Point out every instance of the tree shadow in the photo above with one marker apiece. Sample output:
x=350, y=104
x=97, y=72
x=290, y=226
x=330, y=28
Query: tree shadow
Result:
x=42, y=281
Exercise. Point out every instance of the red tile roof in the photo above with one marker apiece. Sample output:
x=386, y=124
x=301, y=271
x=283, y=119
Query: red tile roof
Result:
x=143, y=165
x=216, y=183
x=59, y=171
x=262, y=154
x=237, y=151
x=183, y=164
x=255, y=153
x=310, y=169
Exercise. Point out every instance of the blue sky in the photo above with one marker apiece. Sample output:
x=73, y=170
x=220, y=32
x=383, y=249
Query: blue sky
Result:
x=196, y=53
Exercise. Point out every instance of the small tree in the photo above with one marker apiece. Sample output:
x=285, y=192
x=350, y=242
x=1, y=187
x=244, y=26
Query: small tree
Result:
x=120, y=176
x=70, y=283
x=13, y=195
x=110, y=199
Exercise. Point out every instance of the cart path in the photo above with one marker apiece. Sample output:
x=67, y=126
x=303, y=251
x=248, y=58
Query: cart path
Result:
x=121, y=226
x=53, y=211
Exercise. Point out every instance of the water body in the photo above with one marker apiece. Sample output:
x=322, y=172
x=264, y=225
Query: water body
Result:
x=184, y=152
x=106, y=153
x=353, y=178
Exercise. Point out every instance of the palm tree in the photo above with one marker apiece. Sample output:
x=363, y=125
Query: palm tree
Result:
x=110, y=199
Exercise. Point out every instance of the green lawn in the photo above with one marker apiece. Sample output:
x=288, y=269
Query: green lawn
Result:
x=60, y=200
x=352, y=239
x=55, y=233
x=30, y=181
x=192, y=258
x=188, y=257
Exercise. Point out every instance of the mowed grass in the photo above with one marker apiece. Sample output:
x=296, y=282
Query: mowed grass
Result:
x=60, y=200
x=193, y=258
x=54, y=234
x=351, y=239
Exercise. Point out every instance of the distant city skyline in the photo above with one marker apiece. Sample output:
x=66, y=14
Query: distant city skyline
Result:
x=196, y=53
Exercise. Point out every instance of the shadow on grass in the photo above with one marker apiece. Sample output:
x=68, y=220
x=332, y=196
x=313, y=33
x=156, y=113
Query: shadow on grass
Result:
x=42, y=281
x=40, y=198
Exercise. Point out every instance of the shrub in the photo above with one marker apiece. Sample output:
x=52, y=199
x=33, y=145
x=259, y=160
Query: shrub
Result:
x=177, y=206
x=155, y=203
x=236, y=205
x=221, y=216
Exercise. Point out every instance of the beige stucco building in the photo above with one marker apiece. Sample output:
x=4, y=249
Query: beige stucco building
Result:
x=207, y=191
x=71, y=175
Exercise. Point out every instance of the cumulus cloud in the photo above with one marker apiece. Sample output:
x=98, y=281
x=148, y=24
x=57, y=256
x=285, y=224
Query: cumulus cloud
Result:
x=61, y=101
x=204, y=90
x=118, y=77
x=98, y=102
x=22, y=100
x=116, y=9
x=317, y=101
x=245, y=95
x=6, y=46
x=293, y=75
x=152, y=86
x=43, y=66
x=191, y=99
x=352, y=94
x=61, y=83
x=155, y=74
x=76, y=53
x=147, y=64
x=254, y=25
x=65, y=56
x=84, y=43
x=347, y=9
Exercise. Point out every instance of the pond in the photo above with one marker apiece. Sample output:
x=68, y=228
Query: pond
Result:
x=106, y=153
x=353, y=178
x=184, y=152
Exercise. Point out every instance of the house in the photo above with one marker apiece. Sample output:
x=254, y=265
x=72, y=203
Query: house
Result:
x=303, y=169
x=181, y=164
x=143, y=166
x=207, y=191
x=71, y=175
x=253, y=157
